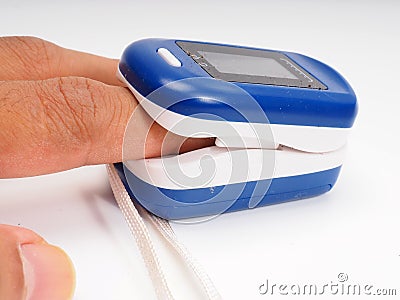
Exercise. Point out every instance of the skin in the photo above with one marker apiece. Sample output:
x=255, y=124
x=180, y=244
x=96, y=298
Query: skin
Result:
x=62, y=109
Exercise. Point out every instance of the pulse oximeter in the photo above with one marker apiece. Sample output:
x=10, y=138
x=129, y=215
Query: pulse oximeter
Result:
x=280, y=122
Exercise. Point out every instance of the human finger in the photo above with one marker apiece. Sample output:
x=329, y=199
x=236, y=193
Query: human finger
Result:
x=31, y=268
x=63, y=123
x=31, y=58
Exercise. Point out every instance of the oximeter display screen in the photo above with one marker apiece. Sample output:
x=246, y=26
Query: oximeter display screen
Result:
x=247, y=65
x=237, y=64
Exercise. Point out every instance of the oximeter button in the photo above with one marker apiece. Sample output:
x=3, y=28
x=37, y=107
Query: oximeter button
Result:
x=169, y=57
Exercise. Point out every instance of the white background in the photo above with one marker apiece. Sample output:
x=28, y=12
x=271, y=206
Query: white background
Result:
x=352, y=229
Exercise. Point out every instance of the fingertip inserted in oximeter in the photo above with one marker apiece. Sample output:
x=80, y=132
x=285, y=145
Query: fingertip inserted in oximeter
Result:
x=280, y=120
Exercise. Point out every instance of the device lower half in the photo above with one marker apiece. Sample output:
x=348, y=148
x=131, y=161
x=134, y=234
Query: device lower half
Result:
x=174, y=204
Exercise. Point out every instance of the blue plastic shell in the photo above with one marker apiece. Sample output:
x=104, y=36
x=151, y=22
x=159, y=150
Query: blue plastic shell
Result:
x=146, y=71
x=179, y=204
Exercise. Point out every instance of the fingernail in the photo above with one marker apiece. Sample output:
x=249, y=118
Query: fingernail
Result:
x=48, y=272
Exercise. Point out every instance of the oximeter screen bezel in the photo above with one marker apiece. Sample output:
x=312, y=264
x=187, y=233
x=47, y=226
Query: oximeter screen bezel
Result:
x=303, y=79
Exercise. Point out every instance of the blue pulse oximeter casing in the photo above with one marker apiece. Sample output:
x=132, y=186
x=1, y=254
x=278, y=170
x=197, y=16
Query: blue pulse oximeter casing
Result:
x=280, y=120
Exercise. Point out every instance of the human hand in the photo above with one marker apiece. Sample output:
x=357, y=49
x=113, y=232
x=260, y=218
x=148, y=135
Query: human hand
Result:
x=61, y=109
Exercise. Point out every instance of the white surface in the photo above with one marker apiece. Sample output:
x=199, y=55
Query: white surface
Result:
x=242, y=134
x=353, y=229
x=255, y=164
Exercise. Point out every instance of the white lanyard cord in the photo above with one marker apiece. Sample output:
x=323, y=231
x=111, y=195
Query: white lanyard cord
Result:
x=140, y=233
x=142, y=237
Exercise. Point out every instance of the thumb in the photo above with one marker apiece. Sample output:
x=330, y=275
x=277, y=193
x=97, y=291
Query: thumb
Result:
x=32, y=269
